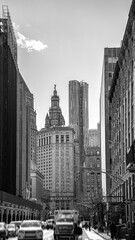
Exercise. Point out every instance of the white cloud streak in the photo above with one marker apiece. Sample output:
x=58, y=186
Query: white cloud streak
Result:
x=28, y=44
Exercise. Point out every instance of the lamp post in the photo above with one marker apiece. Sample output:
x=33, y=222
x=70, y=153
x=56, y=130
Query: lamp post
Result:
x=119, y=179
x=107, y=199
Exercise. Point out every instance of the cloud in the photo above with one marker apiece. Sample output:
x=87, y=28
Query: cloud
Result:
x=28, y=44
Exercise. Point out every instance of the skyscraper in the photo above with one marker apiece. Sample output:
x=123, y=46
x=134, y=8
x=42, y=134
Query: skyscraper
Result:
x=78, y=109
x=15, y=130
x=79, y=120
x=8, y=103
x=55, y=157
x=26, y=136
x=109, y=61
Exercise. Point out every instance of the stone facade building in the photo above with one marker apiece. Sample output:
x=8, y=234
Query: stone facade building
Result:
x=122, y=121
x=55, y=157
x=109, y=60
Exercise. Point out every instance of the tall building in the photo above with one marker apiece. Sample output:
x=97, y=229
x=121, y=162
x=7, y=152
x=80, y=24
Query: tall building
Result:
x=16, y=104
x=8, y=103
x=14, y=131
x=109, y=61
x=78, y=109
x=122, y=119
x=79, y=120
x=26, y=137
x=55, y=157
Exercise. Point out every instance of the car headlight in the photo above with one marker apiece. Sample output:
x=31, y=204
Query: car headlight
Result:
x=21, y=234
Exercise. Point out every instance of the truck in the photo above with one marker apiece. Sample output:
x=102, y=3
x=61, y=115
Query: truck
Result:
x=59, y=214
x=66, y=225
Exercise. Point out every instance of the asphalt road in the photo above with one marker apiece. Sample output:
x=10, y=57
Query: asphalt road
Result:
x=87, y=235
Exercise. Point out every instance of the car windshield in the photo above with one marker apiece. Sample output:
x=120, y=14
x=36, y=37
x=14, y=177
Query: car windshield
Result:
x=31, y=224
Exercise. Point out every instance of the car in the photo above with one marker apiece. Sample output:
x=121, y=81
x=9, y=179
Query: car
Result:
x=49, y=223
x=3, y=230
x=30, y=229
x=12, y=230
x=17, y=223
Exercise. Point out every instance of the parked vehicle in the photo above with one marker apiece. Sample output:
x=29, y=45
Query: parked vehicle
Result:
x=30, y=229
x=17, y=223
x=12, y=230
x=3, y=230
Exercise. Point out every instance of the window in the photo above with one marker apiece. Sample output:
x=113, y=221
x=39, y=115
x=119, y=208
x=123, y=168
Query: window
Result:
x=112, y=59
x=120, y=170
x=57, y=138
x=110, y=74
x=62, y=138
x=67, y=138
x=50, y=139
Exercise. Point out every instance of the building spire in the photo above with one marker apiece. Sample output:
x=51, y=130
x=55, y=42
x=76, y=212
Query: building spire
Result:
x=55, y=117
x=55, y=91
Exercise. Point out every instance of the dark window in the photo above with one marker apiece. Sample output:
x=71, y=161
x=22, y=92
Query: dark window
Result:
x=57, y=138
x=62, y=138
x=67, y=138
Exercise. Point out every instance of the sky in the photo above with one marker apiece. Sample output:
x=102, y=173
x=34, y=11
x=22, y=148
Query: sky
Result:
x=63, y=40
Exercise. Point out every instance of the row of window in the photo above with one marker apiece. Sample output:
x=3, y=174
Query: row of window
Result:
x=62, y=138
x=48, y=140
x=44, y=141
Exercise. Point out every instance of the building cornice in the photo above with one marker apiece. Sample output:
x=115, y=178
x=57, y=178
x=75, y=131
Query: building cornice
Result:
x=56, y=128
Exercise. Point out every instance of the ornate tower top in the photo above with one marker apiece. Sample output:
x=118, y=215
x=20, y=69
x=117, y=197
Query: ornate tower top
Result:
x=55, y=117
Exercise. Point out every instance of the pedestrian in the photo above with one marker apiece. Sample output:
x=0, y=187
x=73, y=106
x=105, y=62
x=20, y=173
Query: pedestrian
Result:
x=89, y=225
x=86, y=225
x=113, y=230
x=133, y=231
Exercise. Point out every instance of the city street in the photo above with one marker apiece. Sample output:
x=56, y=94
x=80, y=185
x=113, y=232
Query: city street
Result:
x=87, y=235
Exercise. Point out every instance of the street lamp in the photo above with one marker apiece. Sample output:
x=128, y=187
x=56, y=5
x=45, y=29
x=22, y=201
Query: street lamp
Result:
x=107, y=199
x=119, y=180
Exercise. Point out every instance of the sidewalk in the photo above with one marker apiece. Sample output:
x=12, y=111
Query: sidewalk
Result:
x=102, y=234
x=105, y=235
